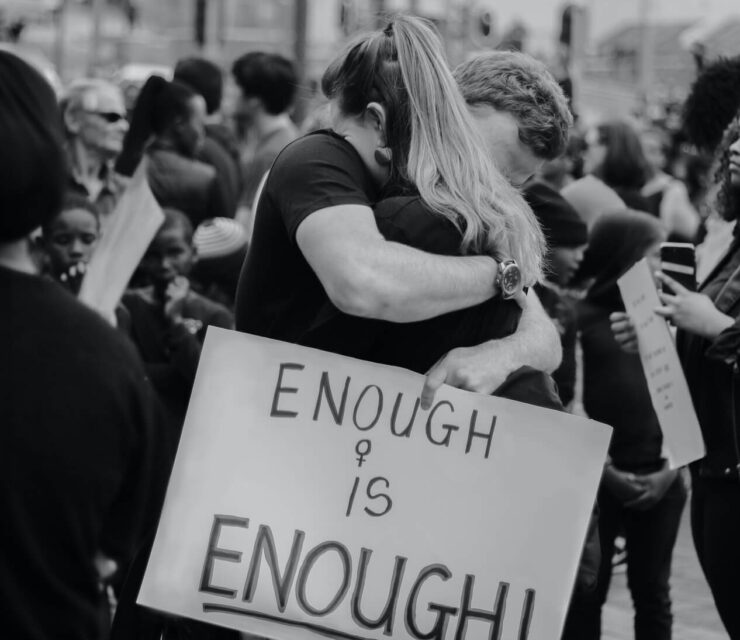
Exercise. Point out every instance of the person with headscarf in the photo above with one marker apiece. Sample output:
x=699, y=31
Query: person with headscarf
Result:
x=639, y=494
x=78, y=441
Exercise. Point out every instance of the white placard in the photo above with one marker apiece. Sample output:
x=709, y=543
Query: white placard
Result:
x=669, y=392
x=312, y=497
x=131, y=227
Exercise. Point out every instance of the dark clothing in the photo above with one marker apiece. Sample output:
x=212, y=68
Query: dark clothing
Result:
x=559, y=221
x=708, y=366
x=187, y=185
x=225, y=137
x=561, y=310
x=715, y=525
x=227, y=172
x=634, y=199
x=77, y=458
x=171, y=352
x=415, y=345
x=711, y=369
x=109, y=195
x=651, y=537
x=279, y=295
x=615, y=392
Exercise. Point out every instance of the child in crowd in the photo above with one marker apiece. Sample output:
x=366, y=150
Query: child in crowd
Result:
x=221, y=244
x=167, y=319
x=68, y=241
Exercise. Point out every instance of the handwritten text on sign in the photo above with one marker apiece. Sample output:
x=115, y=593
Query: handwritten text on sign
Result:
x=682, y=440
x=312, y=495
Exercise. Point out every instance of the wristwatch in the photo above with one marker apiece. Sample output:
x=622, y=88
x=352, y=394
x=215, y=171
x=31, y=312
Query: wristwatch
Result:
x=508, y=279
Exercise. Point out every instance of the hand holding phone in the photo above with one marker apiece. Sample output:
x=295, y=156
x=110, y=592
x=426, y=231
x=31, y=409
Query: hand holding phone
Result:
x=678, y=260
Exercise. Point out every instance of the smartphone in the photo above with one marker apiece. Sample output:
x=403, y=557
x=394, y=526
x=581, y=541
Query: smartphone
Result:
x=678, y=260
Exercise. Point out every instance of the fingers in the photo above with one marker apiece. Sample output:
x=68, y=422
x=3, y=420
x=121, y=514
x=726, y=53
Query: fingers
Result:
x=667, y=280
x=521, y=299
x=665, y=311
x=436, y=377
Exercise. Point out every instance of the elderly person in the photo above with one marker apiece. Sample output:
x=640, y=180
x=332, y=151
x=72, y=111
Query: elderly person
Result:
x=95, y=124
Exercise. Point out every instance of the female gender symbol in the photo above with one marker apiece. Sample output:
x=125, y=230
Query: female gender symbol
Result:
x=362, y=449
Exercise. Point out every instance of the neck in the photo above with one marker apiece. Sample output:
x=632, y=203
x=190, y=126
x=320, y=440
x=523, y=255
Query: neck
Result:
x=17, y=256
x=266, y=123
x=86, y=164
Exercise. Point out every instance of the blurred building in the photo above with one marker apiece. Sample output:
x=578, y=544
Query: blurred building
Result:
x=639, y=66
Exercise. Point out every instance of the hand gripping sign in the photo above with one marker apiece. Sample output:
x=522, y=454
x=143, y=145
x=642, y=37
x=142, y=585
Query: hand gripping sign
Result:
x=313, y=497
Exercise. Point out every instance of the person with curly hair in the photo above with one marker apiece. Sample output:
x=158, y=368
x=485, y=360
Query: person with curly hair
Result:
x=708, y=343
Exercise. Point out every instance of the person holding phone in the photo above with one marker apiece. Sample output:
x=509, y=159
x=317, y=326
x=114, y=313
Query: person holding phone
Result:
x=708, y=342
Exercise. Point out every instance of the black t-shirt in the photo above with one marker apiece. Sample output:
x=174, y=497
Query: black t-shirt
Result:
x=279, y=295
x=77, y=458
x=416, y=345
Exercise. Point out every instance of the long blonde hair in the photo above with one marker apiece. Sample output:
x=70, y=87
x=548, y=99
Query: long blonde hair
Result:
x=435, y=145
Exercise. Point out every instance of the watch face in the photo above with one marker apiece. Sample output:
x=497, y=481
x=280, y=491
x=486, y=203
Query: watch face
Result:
x=511, y=279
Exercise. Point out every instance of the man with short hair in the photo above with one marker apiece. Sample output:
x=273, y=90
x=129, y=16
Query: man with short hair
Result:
x=519, y=108
x=95, y=124
x=524, y=119
x=267, y=83
x=219, y=146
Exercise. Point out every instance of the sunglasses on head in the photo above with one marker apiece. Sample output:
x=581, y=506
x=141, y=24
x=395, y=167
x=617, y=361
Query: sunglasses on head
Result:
x=110, y=117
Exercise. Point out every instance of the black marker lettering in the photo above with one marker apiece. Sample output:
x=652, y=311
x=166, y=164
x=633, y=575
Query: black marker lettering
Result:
x=495, y=617
x=374, y=421
x=281, y=413
x=407, y=429
x=325, y=390
x=264, y=544
x=311, y=558
x=386, y=617
x=449, y=428
x=214, y=552
x=472, y=433
x=440, y=624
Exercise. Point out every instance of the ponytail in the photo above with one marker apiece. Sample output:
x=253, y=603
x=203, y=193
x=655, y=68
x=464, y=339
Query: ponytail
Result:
x=434, y=143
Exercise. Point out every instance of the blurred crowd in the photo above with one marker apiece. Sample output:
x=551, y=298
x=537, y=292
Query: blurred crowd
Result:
x=619, y=189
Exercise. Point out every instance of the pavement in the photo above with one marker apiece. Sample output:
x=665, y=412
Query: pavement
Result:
x=694, y=615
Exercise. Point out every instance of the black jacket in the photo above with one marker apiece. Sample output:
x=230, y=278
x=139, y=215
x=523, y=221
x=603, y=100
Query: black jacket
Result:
x=711, y=368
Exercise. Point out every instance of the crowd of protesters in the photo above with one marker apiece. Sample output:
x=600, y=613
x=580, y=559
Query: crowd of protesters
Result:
x=387, y=228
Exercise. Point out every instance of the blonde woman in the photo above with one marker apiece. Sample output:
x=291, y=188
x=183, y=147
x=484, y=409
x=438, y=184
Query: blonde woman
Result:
x=399, y=126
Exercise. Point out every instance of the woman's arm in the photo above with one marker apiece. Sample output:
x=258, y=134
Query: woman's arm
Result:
x=365, y=275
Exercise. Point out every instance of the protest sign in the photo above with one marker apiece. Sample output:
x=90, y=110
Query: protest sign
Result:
x=669, y=392
x=312, y=496
x=132, y=226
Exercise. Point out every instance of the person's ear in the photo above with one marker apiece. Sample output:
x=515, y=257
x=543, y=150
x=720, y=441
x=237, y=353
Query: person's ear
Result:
x=71, y=123
x=376, y=115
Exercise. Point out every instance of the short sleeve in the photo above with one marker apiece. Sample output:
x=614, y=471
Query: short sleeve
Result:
x=317, y=171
